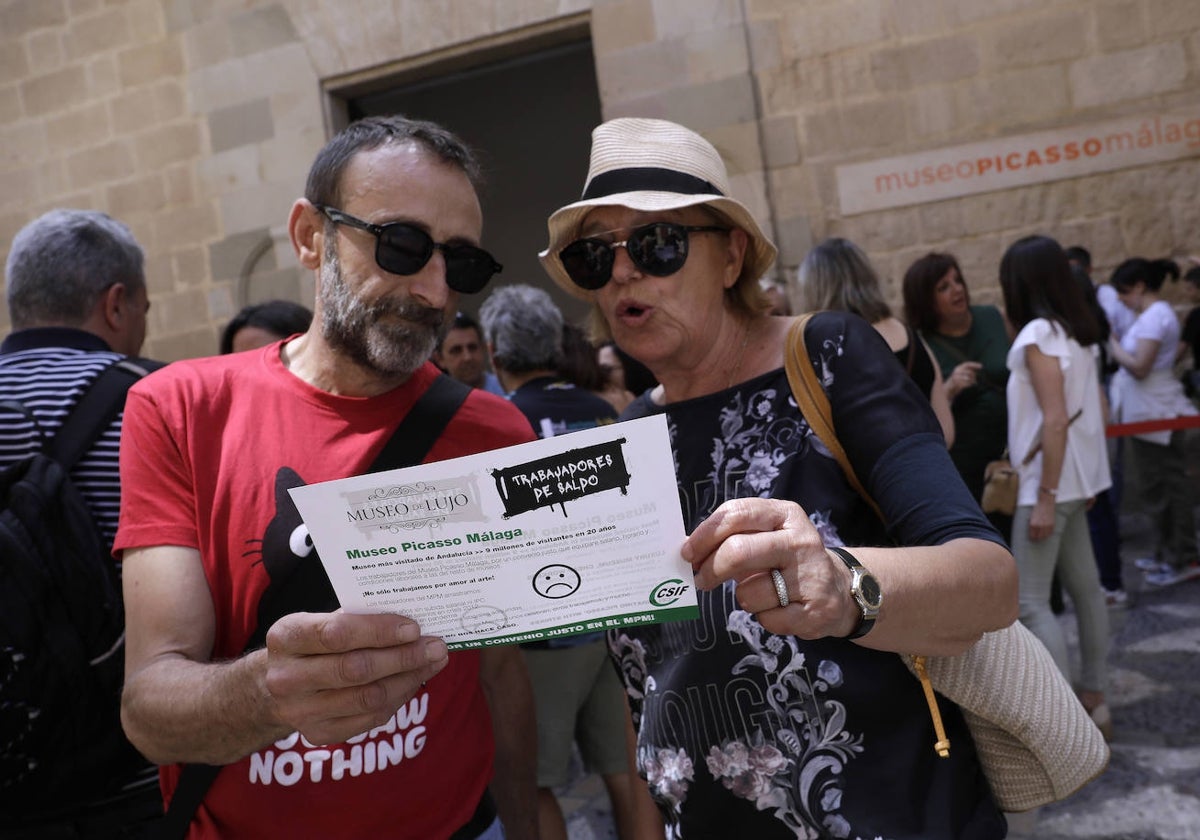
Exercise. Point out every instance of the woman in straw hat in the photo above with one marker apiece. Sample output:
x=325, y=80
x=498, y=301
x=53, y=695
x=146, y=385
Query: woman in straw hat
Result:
x=783, y=710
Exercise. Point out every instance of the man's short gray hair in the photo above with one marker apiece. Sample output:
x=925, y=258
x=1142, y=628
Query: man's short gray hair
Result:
x=63, y=261
x=524, y=327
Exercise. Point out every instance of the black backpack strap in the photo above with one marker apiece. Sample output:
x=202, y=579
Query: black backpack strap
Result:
x=308, y=588
x=423, y=425
x=96, y=410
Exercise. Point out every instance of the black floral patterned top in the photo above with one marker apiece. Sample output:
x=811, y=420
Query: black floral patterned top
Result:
x=743, y=733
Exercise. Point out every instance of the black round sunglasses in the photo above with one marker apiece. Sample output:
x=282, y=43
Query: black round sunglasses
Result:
x=659, y=248
x=401, y=248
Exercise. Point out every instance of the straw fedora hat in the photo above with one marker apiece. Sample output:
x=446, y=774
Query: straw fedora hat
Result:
x=651, y=165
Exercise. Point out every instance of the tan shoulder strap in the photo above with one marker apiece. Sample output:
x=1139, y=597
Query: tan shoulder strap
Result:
x=814, y=404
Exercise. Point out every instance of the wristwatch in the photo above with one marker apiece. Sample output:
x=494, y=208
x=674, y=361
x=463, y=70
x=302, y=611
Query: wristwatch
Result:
x=865, y=589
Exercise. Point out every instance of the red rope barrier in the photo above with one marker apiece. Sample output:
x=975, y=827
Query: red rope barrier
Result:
x=1169, y=424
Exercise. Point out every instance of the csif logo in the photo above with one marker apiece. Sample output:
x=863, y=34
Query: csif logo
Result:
x=667, y=592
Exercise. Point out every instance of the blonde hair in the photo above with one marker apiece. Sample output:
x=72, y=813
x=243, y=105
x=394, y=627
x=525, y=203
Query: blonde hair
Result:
x=837, y=275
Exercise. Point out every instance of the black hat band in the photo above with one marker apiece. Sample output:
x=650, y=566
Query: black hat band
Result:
x=647, y=178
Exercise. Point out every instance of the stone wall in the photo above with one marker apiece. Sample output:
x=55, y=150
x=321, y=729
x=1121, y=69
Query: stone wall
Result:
x=195, y=120
x=848, y=80
x=191, y=122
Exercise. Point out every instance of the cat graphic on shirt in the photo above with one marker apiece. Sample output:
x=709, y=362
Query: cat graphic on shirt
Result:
x=287, y=548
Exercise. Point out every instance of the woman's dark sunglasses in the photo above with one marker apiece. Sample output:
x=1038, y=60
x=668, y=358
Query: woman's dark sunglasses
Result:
x=659, y=248
x=401, y=248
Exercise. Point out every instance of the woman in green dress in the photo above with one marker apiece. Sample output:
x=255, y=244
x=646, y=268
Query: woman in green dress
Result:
x=970, y=343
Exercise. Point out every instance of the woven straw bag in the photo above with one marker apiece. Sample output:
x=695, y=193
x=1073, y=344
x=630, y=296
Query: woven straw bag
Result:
x=1035, y=742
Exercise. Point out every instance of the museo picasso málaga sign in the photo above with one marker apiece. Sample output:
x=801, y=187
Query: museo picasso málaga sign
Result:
x=1021, y=160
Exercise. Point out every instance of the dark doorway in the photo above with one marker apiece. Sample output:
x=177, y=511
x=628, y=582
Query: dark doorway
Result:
x=531, y=119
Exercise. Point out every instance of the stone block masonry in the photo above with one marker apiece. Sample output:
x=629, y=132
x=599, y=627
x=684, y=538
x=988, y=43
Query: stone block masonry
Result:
x=194, y=120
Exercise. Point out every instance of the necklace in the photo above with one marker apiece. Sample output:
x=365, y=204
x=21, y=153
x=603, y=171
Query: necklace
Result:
x=741, y=354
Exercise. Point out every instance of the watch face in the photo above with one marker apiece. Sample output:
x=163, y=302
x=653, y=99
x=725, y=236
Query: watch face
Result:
x=869, y=588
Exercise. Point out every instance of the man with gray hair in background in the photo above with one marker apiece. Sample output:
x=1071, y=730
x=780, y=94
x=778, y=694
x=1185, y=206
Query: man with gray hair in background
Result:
x=523, y=330
x=576, y=690
x=77, y=299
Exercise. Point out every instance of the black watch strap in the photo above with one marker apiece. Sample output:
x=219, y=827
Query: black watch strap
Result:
x=862, y=579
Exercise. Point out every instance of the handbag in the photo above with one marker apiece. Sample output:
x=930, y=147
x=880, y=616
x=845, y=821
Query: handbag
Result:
x=1035, y=742
x=1001, y=480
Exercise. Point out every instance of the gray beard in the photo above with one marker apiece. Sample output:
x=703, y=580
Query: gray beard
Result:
x=389, y=337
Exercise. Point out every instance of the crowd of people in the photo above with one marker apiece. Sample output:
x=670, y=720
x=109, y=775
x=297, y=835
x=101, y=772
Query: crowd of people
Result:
x=760, y=718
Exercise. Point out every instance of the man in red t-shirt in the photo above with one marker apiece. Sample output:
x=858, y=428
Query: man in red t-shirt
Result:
x=343, y=725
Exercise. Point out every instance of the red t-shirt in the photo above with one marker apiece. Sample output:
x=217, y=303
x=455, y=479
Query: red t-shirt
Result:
x=209, y=449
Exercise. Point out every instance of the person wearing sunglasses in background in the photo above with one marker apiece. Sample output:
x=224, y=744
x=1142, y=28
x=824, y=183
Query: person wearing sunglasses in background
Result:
x=308, y=727
x=783, y=710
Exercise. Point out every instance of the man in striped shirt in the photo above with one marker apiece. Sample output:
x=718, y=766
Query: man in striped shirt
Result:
x=77, y=300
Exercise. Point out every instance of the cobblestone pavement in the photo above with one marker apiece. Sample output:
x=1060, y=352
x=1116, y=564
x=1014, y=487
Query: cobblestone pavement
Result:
x=1151, y=788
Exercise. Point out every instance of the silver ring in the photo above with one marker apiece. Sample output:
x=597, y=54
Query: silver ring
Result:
x=780, y=587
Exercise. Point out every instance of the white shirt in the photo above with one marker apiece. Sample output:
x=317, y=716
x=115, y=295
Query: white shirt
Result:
x=1159, y=395
x=1085, y=469
x=1156, y=323
x=1120, y=316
